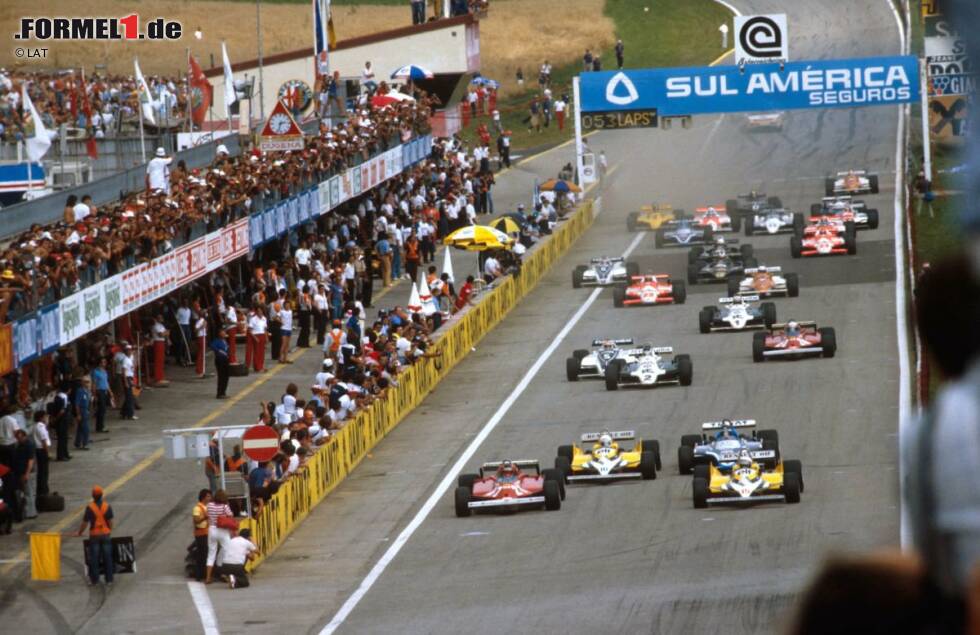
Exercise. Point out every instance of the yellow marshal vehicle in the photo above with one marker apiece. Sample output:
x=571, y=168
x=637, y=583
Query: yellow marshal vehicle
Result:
x=749, y=481
x=651, y=217
x=602, y=458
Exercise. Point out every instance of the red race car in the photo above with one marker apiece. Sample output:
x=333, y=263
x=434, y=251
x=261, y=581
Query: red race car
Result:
x=824, y=236
x=505, y=486
x=794, y=340
x=650, y=289
x=717, y=218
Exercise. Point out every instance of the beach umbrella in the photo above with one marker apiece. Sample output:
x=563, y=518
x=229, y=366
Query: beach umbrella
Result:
x=485, y=81
x=478, y=238
x=560, y=185
x=380, y=101
x=412, y=72
x=506, y=224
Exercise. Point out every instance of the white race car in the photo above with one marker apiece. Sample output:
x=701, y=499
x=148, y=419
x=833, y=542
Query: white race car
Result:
x=737, y=314
x=648, y=367
x=584, y=363
x=603, y=272
x=851, y=182
x=773, y=221
x=846, y=210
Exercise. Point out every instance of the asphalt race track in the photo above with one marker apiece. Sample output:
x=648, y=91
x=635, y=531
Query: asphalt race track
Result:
x=636, y=556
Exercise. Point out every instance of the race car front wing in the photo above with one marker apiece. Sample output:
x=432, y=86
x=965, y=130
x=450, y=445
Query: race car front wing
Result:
x=506, y=502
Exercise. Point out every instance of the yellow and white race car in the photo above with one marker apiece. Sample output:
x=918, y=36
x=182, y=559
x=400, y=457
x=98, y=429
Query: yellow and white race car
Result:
x=651, y=217
x=602, y=458
x=749, y=481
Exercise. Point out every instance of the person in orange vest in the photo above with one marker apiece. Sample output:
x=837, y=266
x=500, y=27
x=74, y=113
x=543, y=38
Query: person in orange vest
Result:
x=200, y=520
x=98, y=517
x=336, y=338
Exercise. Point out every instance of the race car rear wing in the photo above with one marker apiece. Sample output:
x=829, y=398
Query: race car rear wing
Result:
x=777, y=327
x=598, y=260
x=622, y=342
x=747, y=298
x=663, y=350
x=525, y=464
x=645, y=276
x=733, y=423
x=837, y=199
x=708, y=208
x=762, y=454
x=622, y=435
x=768, y=270
x=853, y=172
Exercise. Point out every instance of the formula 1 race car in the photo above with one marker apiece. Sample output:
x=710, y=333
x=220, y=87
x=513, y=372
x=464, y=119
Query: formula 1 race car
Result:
x=606, y=460
x=846, y=210
x=763, y=122
x=602, y=272
x=751, y=203
x=851, y=182
x=749, y=481
x=773, y=221
x=824, y=236
x=505, y=486
x=720, y=444
x=717, y=219
x=647, y=367
x=794, y=340
x=583, y=363
x=765, y=282
x=720, y=247
x=650, y=289
x=651, y=217
x=737, y=314
x=683, y=232
x=717, y=270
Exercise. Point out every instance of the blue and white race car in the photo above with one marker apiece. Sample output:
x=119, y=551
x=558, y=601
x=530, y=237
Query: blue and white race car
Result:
x=584, y=363
x=720, y=444
x=683, y=232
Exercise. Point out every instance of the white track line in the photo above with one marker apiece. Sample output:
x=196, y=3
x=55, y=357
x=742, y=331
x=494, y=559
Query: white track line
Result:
x=729, y=7
x=464, y=458
x=209, y=621
x=901, y=303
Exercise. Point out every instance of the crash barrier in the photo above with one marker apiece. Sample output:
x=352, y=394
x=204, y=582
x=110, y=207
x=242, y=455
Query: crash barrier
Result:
x=334, y=461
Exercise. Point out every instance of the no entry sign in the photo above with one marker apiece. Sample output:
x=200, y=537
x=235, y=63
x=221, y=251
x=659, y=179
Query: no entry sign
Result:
x=260, y=443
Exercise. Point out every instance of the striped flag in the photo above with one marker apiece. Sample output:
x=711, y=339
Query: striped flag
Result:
x=147, y=104
x=324, y=37
x=37, y=138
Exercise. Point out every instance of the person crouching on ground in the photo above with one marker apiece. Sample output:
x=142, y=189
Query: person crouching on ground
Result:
x=240, y=550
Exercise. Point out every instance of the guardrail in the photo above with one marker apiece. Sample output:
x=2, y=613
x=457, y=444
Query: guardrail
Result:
x=328, y=467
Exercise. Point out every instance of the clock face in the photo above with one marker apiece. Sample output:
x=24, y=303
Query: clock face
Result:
x=279, y=123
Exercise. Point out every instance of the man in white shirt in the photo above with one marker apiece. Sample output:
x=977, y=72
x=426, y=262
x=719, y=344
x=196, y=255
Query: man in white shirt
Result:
x=128, y=368
x=491, y=269
x=158, y=172
x=160, y=335
x=470, y=210
x=367, y=78
x=82, y=210
x=184, y=322
x=201, y=336
x=303, y=256
x=237, y=552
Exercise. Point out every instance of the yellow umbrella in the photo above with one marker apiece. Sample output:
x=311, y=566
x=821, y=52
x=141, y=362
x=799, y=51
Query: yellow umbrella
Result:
x=506, y=224
x=478, y=238
x=560, y=185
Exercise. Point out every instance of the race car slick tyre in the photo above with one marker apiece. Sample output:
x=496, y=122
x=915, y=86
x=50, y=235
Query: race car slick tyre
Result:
x=631, y=221
x=749, y=225
x=775, y=202
x=619, y=296
x=708, y=234
x=872, y=218
x=736, y=222
x=572, y=366
x=693, y=254
x=798, y=223
x=653, y=446
x=557, y=476
x=700, y=492
x=828, y=341
x=791, y=487
x=794, y=466
x=768, y=435
x=795, y=247
x=563, y=464
x=685, y=369
x=565, y=451
x=659, y=238
x=850, y=241
x=816, y=209
x=648, y=465
x=731, y=207
x=463, y=502
x=466, y=480
x=580, y=353
x=612, y=376
x=690, y=440
x=702, y=470
x=758, y=347
x=679, y=291
x=792, y=285
x=704, y=319
x=552, y=496
x=747, y=252
x=850, y=230
x=685, y=459
x=748, y=262
x=577, y=276
x=734, y=284
x=692, y=273
x=632, y=269
x=873, y=182
x=768, y=313
x=828, y=187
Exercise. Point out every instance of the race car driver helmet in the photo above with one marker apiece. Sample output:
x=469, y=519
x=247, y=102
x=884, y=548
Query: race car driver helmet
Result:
x=507, y=471
x=727, y=431
x=744, y=460
x=792, y=328
x=605, y=440
x=720, y=240
x=608, y=345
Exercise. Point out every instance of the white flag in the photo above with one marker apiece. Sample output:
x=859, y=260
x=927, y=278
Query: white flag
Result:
x=230, y=96
x=147, y=103
x=38, y=143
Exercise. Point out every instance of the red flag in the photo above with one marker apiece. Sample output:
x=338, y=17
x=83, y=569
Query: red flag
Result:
x=91, y=148
x=200, y=92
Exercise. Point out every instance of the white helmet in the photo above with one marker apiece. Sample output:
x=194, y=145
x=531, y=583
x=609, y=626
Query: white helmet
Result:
x=605, y=440
x=744, y=459
x=719, y=240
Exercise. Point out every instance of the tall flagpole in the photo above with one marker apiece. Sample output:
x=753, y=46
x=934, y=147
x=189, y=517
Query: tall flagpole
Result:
x=142, y=138
x=190, y=95
x=258, y=33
